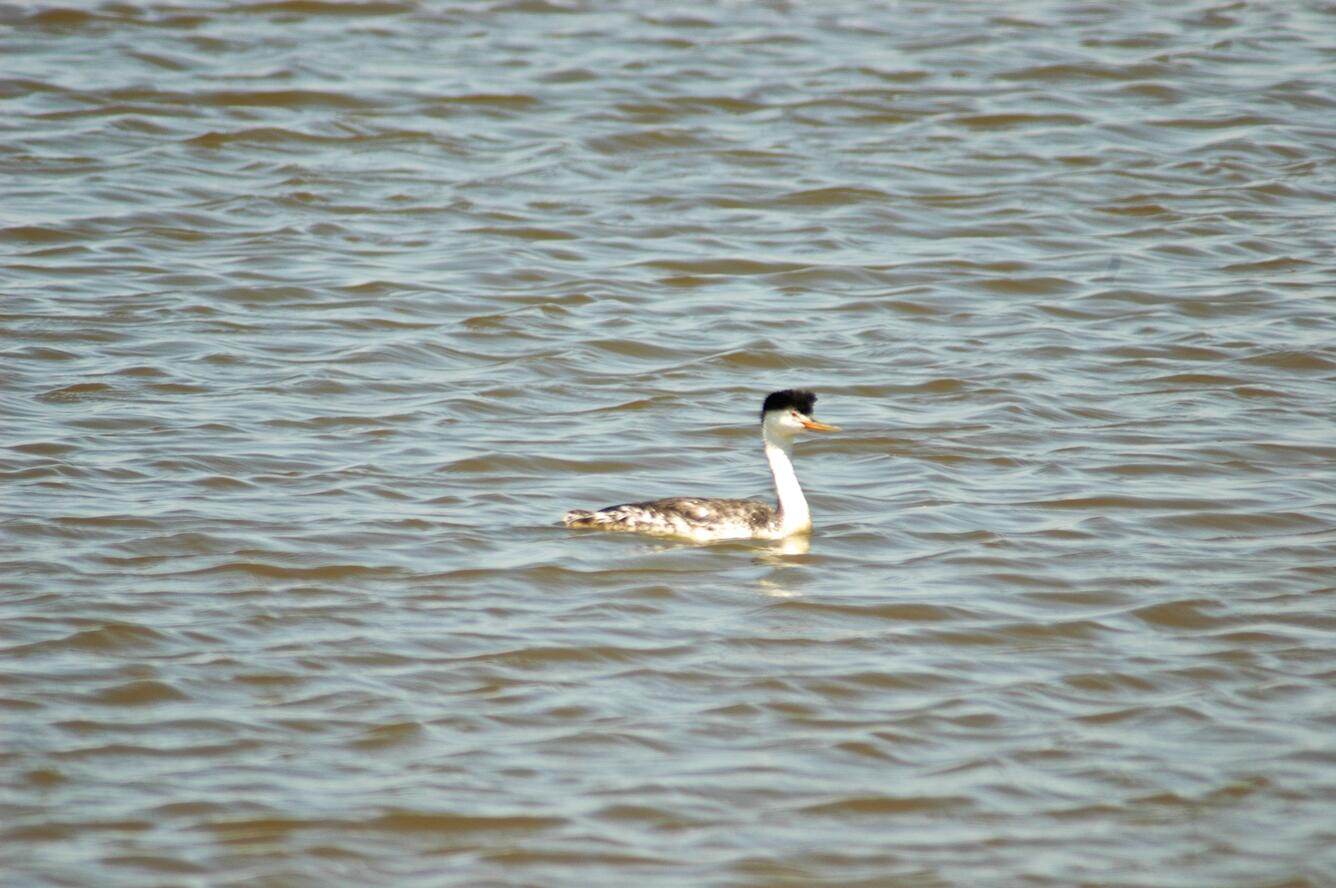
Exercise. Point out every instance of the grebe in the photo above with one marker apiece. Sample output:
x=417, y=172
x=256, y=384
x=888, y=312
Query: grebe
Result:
x=783, y=415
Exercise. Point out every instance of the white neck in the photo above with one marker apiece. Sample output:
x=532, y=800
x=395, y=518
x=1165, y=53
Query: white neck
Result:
x=794, y=516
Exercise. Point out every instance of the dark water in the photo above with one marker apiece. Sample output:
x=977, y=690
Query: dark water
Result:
x=317, y=315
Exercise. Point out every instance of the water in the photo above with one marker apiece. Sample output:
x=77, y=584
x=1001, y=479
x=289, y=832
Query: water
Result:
x=316, y=316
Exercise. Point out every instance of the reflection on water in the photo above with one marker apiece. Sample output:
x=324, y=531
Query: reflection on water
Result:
x=794, y=545
x=782, y=556
x=316, y=317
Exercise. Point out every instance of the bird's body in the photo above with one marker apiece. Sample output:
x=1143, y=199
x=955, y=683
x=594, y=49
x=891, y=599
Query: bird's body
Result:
x=701, y=519
x=694, y=517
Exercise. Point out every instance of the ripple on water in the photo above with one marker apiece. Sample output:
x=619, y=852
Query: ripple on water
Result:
x=317, y=316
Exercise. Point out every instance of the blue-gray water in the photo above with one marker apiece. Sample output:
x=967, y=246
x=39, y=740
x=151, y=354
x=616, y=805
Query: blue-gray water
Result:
x=315, y=317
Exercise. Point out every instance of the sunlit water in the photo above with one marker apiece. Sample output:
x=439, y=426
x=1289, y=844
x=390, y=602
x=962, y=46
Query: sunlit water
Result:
x=317, y=315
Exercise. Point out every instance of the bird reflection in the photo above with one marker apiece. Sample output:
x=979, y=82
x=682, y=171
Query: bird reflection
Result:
x=783, y=555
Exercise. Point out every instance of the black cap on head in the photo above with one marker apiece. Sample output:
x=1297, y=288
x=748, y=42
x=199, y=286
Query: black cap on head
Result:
x=796, y=399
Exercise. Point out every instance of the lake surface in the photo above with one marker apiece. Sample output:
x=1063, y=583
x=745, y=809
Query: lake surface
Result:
x=315, y=317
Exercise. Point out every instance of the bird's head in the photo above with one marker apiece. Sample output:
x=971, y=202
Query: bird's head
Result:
x=789, y=412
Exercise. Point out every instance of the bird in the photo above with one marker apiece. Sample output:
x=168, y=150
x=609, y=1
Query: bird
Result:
x=784, y=415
